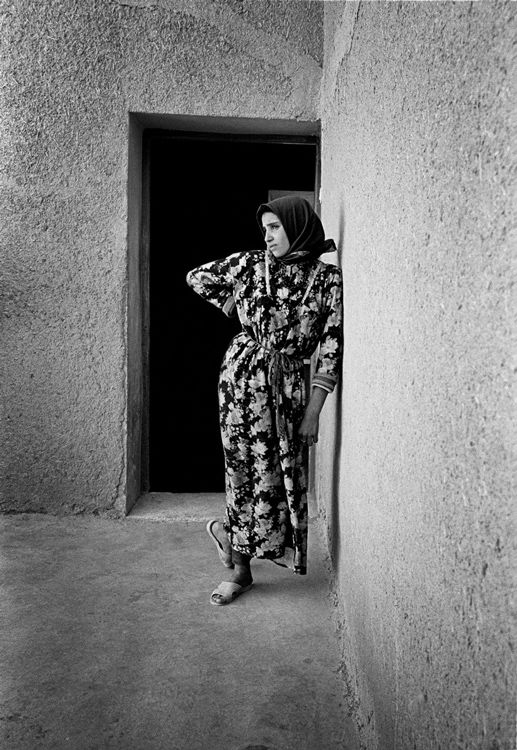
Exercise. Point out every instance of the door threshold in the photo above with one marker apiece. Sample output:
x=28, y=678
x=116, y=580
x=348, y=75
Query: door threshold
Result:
x=178, y=506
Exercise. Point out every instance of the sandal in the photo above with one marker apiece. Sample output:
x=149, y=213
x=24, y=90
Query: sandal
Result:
x=225, y=557
x=226, y=592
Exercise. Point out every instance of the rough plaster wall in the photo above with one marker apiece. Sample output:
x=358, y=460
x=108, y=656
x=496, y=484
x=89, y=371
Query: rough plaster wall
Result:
x=71, y=72
x=418, y=177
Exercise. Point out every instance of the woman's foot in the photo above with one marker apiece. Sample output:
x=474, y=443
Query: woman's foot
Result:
x=238, y=582
x=220, y=538
x=227, y=592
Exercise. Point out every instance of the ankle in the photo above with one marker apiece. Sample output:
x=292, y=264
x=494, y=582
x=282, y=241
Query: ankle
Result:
x=242, y=576
x=240, y=560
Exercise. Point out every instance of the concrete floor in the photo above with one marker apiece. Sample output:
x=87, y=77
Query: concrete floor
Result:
x=109, y=640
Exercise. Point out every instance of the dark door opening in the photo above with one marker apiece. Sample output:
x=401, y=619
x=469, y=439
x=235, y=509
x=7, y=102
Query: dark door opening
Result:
x=204, y=192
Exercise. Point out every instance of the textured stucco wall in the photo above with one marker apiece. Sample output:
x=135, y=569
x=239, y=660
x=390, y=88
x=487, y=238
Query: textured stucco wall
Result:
x=418, y=176
x=72, y=70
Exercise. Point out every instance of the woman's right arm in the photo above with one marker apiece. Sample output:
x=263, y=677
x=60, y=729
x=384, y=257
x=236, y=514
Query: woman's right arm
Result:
x=214, y=281
x=328, y=366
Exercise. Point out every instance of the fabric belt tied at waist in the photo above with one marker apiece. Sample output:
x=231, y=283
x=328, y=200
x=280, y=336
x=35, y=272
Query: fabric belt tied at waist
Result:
x=279, y=363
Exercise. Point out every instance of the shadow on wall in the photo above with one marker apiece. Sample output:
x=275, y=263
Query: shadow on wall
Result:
x=333, y=519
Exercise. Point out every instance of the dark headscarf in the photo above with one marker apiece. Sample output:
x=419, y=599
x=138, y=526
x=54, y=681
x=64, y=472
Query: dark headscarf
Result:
x=303, y=228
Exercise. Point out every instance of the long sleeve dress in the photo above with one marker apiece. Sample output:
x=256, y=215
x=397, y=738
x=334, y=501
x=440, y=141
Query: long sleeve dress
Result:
x=285, y=312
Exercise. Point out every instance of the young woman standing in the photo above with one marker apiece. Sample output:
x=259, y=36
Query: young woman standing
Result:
x=289, y=302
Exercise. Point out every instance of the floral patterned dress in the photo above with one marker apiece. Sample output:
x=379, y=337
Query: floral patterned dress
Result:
x=285, y=312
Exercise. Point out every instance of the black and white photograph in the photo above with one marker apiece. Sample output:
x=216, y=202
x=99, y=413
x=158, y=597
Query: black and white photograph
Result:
x=258, y=375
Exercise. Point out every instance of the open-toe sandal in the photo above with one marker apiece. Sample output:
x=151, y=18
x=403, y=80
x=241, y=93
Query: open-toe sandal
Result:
x=227, y=592
x=225, y=557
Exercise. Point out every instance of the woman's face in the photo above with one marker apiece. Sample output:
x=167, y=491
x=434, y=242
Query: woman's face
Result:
x=274, y=235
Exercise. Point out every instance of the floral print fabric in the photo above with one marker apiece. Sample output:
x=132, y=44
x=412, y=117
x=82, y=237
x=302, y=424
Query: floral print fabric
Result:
x=262, y=391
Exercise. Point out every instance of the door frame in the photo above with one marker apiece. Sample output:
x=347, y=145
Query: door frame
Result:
x=142, y=129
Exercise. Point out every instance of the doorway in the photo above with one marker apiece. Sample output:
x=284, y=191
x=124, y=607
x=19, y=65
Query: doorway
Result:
x=203, y=192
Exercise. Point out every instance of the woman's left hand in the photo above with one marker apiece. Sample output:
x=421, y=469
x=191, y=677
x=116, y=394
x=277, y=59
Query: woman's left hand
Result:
x=308, y=431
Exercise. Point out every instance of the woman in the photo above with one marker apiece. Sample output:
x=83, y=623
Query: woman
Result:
x=288, y=302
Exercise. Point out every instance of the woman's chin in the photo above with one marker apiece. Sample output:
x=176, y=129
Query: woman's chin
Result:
x=278, y=253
